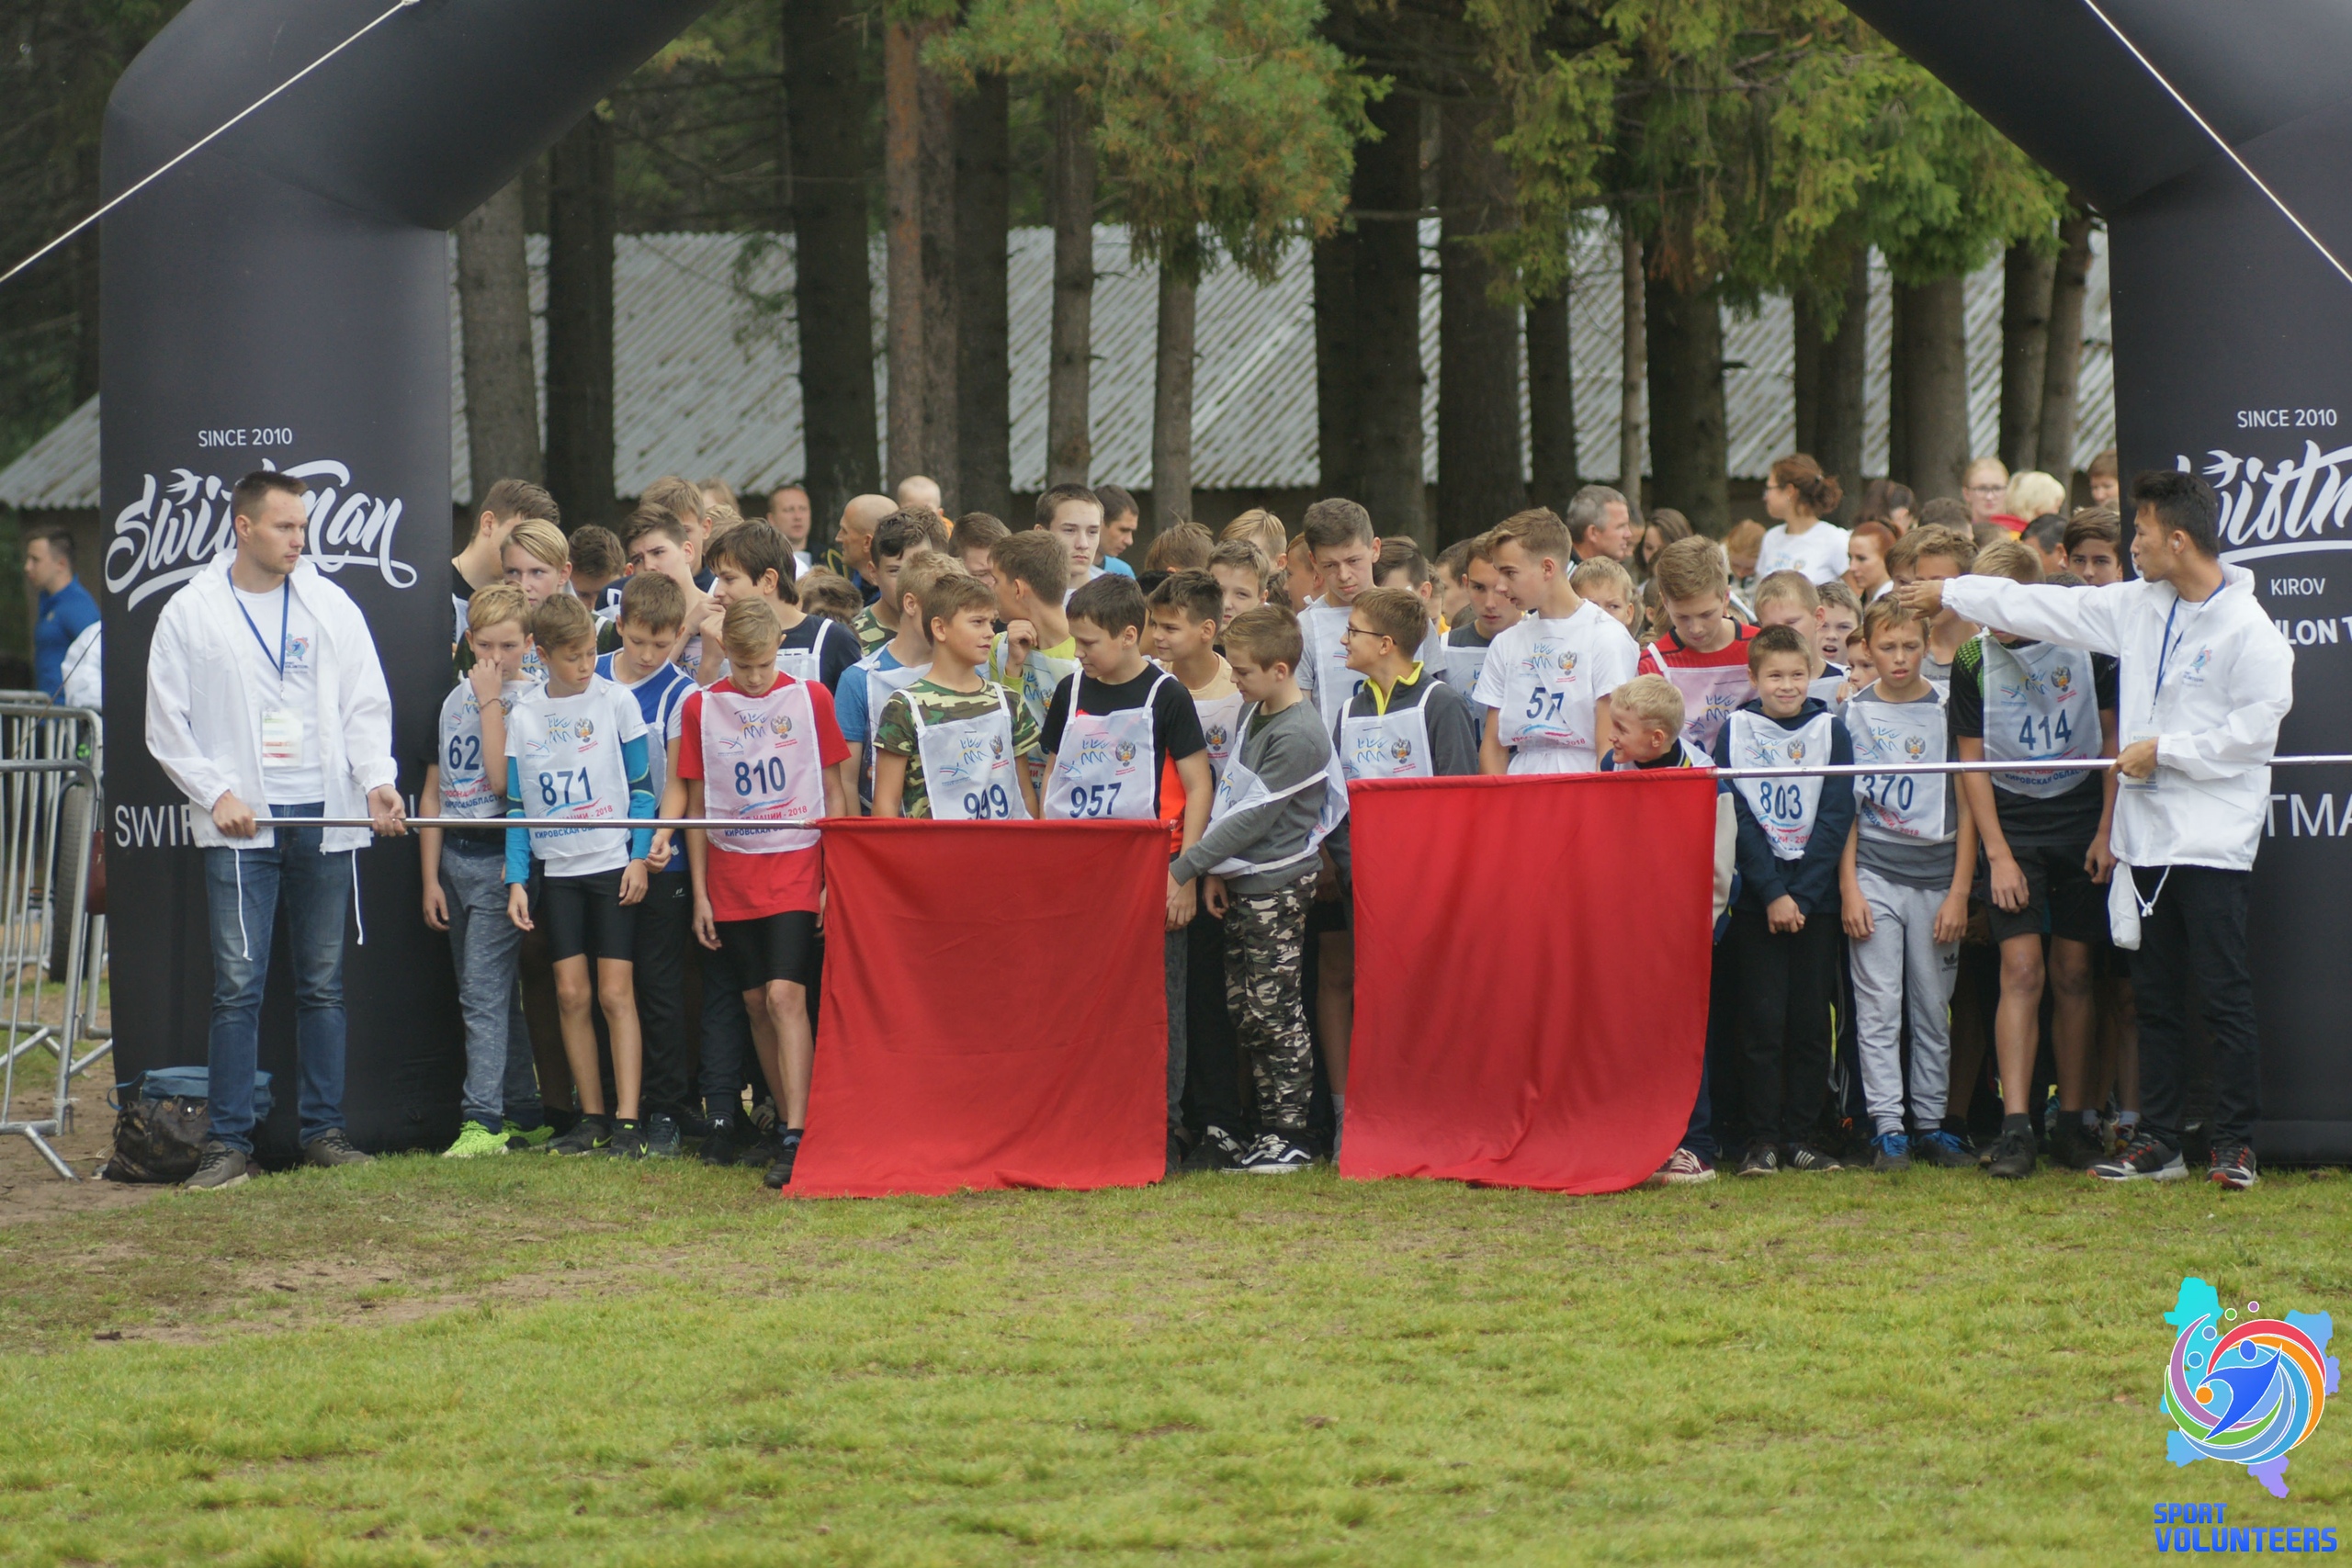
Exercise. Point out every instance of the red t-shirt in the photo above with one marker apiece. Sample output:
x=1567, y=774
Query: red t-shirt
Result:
x=1670, y=648
x=753, y=886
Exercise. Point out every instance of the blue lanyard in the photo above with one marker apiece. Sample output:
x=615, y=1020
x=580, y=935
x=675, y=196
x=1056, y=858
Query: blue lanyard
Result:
x=2165, y=646
x=285, y=612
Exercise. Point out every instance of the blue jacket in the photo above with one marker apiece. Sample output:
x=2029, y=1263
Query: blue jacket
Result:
x=1812, y=881
x=60, y=617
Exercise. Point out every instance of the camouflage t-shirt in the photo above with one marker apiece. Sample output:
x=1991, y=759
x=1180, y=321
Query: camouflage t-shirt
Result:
x=895, y=731
x=870, y=633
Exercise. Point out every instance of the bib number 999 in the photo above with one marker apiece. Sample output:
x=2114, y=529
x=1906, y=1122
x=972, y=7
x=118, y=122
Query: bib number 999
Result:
x=990, y=804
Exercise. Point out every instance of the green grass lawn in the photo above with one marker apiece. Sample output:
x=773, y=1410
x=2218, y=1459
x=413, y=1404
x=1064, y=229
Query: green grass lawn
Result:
x=530, y=1360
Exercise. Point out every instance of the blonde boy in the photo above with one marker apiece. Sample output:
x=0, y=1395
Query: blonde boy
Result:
x=1608, y=584
x=1240, y=569
x=1546, y=680
x=1703, y=651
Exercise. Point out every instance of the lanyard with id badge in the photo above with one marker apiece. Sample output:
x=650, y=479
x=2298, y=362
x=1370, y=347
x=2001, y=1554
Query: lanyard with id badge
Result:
x=281, y=727
x=2167, y=646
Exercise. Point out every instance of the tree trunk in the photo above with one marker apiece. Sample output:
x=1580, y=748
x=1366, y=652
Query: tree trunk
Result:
x=1070, y=201
x=1550, y=403
x=1934, y=384
x=984, y=374
x=1339, y=465
x=1689, y=457
x=1387, y=396
x=1480, y=471
x=2063, y=368
x=580, y=323
x=827, y=104
x=494, y=303
x=1633, y=394
x=83, y=258
x=1805, y=367
x=919, y=183
x=1837, y=408
x=2025, y=346
x=1171, y=399
x=1898, y=402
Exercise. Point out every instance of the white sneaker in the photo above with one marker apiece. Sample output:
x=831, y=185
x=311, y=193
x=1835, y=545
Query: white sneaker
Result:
x=1273, y=1155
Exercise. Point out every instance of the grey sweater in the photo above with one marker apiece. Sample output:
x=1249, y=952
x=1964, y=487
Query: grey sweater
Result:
x=1283, y=750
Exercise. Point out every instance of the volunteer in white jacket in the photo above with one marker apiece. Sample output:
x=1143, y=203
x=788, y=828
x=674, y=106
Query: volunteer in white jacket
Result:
x=264, y=693
x=2205, y=678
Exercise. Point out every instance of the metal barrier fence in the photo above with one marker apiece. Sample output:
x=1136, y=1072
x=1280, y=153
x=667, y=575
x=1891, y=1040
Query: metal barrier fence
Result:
x=52, y=950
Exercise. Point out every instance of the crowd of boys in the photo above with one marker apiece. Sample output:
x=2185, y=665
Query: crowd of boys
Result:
x=1875, y=928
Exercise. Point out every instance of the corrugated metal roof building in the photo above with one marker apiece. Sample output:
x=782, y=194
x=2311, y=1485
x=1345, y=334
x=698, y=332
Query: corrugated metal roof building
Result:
x=705, y=376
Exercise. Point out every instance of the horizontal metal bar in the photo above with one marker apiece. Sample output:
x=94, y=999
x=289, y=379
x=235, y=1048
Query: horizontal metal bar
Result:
x=500, y=824
x=2056, y=766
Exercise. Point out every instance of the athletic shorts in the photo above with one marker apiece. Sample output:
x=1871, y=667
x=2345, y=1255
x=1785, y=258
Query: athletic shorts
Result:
x=774, y=947
x=2061, y=899
x=586, y=917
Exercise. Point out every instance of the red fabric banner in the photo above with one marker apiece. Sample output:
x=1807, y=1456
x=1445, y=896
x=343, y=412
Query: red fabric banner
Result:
x=1531, y=962
x=995, y=1012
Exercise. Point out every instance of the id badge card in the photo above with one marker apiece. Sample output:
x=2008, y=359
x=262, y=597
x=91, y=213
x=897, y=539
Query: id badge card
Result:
x=2125, y=781
x=281, y=737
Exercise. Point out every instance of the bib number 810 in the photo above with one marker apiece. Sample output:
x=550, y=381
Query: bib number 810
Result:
x=764, y=777
x=992, y=805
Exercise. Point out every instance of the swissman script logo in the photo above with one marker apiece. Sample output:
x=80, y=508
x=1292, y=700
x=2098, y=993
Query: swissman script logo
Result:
x=2244, y=1388
x=177, y=525
x=2289, y=507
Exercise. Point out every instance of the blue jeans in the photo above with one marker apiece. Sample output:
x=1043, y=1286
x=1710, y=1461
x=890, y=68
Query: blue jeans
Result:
x=485, y=945
x=242, y=889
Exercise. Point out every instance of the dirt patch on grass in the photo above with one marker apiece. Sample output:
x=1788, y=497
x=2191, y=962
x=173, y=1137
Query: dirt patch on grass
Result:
x=30, y=1188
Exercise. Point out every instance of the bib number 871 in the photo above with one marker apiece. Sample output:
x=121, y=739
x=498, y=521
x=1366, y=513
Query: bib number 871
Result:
x=556, y=789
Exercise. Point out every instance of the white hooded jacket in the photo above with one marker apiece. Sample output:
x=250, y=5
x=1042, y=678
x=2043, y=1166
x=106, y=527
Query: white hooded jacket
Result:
x=205, y=700
x=2228, y=679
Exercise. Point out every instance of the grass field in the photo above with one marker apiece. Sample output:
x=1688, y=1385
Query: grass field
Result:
x=528, y=1361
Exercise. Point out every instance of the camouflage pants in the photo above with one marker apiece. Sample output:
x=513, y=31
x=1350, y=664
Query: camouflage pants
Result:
x=1265, y=947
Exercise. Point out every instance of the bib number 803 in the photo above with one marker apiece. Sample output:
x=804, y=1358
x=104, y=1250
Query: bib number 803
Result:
x=1779, y=801
x=1093, y=800
x=990, y=804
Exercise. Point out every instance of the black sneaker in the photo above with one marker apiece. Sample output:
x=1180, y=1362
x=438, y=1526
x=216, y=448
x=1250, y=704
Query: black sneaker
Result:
x=779, y=1175
x=2074, y=1145
x=762, y=1151
x=587, y=1135
x=2232, y=1167
x=1273, y=1155
x=1761, y=1159
x=1217, y=1150
x=723, y=1145
x=333, y=1148
x=2143, y=1160
x=1805, y=1156
x=2012, y=1154
x=220, y=1166
x=1176, y=1153
x=1942, y=1147
x=662, y=1138
x=627, y=1140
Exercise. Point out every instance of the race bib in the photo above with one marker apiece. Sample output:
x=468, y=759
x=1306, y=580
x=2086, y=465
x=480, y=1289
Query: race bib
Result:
x=281, y=739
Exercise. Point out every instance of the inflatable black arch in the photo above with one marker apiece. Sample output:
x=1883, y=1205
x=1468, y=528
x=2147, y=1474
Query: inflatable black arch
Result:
x=283, y=298
x=2232, y=330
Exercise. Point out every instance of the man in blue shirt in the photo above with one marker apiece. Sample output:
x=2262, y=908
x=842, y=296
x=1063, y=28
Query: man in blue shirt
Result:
x=65, y=611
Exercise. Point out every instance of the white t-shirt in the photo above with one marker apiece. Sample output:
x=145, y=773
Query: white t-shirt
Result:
x=568, y=750
x=1546, y=678
x=1819, y=552
x=290, y=774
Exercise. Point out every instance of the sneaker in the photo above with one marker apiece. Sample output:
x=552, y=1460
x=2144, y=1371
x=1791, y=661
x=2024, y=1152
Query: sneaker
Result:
x=2074, y=1145
x=1890, y=1151
x=627, y=1140
x=1176, y=1153
x=723, y=1145
x=587, y=1135
x=762, y=1151
x=521, y=1140
x=780, y=1175
x=662, y=1138
x=1761, y=1159
x=1942, y=1148
x=2232, y=1167
x=2143, y=1160
x=1682, y=1168
x=333, y=1148
x=1217, y=1150
x=1805, y=1156
x=2012, y=1155
x=474, y=1139
x=1274, y=1155
x=220, y=1166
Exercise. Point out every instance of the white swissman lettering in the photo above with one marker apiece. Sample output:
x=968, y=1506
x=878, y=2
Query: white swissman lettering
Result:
x=174, y=529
